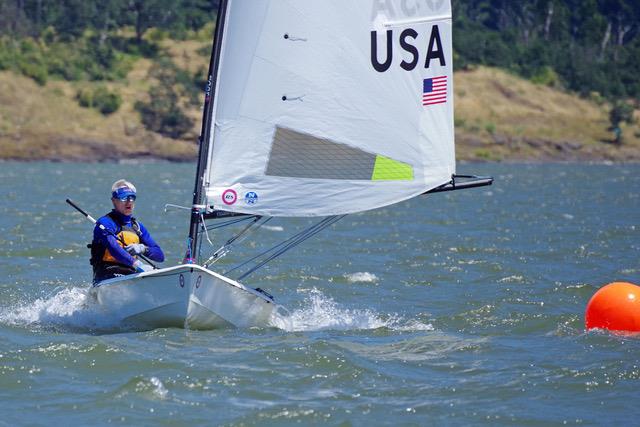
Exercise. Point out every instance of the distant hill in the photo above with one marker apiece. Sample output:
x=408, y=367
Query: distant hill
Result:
x=92, y=80
x=46, y=121
x=499, y=116
x=586, y=46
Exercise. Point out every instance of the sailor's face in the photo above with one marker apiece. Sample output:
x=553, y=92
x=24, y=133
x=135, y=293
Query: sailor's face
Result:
x=124, y=207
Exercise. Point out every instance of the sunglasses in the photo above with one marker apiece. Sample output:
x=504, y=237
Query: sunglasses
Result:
x=127, y=199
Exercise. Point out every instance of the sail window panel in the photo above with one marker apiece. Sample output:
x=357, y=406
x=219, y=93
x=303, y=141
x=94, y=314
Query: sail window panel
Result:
x=298, y=155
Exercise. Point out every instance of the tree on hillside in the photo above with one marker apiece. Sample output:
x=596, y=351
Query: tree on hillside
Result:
x=13, y=19
x=148, y=13
x=70, y=18
x=169, y=15
x=590, y=45
x=194, y=14
x=162, y=114
x=621, y=14
x=621, y=112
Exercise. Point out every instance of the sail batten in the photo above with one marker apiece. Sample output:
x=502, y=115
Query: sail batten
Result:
x=324, y=109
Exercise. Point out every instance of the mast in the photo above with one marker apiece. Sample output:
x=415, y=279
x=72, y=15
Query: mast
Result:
x=198, y=207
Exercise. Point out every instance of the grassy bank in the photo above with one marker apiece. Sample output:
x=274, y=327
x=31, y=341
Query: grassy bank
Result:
x=502, y=117
x=498, y=117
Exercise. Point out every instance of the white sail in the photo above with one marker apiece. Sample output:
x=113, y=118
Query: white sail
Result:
x=325, y=107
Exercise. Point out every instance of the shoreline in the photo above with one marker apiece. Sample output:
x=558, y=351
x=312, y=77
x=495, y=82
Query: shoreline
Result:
x=151, y=160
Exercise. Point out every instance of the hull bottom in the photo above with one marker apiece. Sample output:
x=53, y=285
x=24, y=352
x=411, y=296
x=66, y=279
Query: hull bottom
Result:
x=185, y=296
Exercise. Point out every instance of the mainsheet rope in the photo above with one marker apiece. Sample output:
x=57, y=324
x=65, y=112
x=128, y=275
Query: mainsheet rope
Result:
x=224, y=249
x=286, y=245
x=275, y=251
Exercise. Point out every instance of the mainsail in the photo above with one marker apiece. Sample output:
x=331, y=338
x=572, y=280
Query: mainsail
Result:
x=329, y=107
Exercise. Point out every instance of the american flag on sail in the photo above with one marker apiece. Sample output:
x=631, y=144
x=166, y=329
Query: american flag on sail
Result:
x=434, y=91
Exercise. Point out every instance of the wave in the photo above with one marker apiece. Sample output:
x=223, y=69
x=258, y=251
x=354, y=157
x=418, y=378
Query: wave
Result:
x=69, y=308
x=320, y=312
x=75, y=309
x=361, y=277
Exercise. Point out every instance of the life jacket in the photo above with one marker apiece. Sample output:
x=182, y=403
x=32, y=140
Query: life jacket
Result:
x=127, y=235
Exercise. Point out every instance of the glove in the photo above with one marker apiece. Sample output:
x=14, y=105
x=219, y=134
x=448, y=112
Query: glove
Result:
x=136, y=249
x=141, y=267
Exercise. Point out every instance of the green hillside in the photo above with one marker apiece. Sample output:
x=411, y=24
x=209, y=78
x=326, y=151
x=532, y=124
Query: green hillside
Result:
x=535, y=79
x=498, y=117
x=46, y=121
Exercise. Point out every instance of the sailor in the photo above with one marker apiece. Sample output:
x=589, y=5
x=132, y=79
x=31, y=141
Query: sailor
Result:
x=116, y=249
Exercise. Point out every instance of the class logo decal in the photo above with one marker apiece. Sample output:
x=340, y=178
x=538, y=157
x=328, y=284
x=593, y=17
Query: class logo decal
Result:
x=229, y=197
x=251, y=198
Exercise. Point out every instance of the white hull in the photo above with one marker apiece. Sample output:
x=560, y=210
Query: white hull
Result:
x=185, y=296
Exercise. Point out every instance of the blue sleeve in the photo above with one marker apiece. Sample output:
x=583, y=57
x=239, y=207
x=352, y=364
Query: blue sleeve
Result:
x=111, y=243
x=154, y=252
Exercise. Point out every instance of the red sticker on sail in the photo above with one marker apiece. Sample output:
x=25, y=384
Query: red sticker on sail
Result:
x=229, y=197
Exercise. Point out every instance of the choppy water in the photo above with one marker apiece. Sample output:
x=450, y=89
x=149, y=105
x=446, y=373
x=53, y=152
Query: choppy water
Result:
x=459, y=308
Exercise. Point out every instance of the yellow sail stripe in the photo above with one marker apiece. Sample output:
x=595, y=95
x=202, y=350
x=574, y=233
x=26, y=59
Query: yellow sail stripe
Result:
x=386, y=169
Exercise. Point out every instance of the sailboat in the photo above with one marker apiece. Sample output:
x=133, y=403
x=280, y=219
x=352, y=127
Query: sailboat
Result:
x=313, y=108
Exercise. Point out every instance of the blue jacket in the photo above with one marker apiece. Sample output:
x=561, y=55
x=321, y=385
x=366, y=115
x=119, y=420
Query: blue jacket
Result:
x=104, y=238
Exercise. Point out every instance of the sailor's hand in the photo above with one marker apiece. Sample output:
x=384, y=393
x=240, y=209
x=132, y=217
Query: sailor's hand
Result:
x=136, y=249
x=141, y=267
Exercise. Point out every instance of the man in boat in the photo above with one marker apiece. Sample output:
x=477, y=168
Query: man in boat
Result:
x=116, y=247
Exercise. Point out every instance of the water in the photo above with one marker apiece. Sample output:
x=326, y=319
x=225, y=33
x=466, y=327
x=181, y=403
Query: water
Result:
x=459, y=308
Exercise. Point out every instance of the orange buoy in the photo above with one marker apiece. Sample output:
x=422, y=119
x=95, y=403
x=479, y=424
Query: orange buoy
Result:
x=615, y=307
